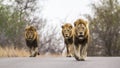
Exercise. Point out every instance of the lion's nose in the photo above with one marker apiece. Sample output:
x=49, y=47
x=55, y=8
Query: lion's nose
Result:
x=80, y=33
x=66, y=34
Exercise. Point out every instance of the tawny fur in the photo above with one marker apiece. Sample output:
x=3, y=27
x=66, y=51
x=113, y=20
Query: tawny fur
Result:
x=68, y=38
x=81, y=38
x=31, y=38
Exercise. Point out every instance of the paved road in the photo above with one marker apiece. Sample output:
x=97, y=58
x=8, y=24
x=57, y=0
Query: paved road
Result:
x=60, y=62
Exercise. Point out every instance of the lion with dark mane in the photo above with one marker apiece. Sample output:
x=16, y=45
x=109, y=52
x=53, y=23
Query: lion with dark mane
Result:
x=31, y=38
x=81, y=38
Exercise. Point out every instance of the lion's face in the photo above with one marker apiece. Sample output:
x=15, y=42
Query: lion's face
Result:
x=30, y=32
x=67, y=30
x=80, y=28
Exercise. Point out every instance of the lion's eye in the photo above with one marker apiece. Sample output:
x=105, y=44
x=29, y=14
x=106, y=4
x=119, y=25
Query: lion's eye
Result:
x=68, y=30
x=83, y=28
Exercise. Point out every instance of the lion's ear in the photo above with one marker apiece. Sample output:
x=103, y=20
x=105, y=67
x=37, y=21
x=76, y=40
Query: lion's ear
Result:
x=26, y=28
x=74, y=23
x=62, y=26
x=71, y=27
x=87, y=24
x=34, y=29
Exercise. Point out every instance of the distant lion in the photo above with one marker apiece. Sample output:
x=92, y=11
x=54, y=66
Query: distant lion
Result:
x=31, y=38
x=81, y=37
x=68, y=38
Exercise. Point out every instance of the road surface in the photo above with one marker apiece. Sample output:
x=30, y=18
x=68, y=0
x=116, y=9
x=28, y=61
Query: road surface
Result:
x=60, y=62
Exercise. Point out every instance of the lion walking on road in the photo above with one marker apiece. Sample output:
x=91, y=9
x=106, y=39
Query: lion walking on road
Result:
x=81, y=38
x=67, y=32
x=31, y=38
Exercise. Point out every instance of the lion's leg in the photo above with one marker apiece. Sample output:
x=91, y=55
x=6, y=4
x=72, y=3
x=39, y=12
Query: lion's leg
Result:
x=31, y=51
x=77, y=52
x=83, y=52
x=72, y=49
x=68, y=50
x=35, y=51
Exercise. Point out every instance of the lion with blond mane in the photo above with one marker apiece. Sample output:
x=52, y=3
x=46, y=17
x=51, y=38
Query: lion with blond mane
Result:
x=67, y=32
x=81, y=38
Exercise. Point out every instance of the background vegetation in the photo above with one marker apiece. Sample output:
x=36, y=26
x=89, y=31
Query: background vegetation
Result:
x=105, y=28
x=16, y=14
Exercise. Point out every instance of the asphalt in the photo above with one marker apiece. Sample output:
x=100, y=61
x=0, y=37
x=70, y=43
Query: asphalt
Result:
x=59, y=62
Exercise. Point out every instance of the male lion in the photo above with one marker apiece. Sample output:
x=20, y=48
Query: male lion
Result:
x=67, y=32
x=81, y=37
x=31, y=38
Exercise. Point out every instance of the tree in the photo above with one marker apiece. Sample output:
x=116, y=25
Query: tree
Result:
x=105, y=26
x=51, y=41
x=14, y=18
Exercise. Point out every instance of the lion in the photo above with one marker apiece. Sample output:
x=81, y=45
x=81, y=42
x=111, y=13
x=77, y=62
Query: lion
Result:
x=81, y=38
x=31, y=38
x=67, y=32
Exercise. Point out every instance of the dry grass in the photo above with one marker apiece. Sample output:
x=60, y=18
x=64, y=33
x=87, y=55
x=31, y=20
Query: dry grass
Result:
x=13, y=52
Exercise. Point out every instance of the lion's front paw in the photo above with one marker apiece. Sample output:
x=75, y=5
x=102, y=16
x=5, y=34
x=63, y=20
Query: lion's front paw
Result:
x=82, y=59
x=77, y=58
x=69, y=55
x=33, y=55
